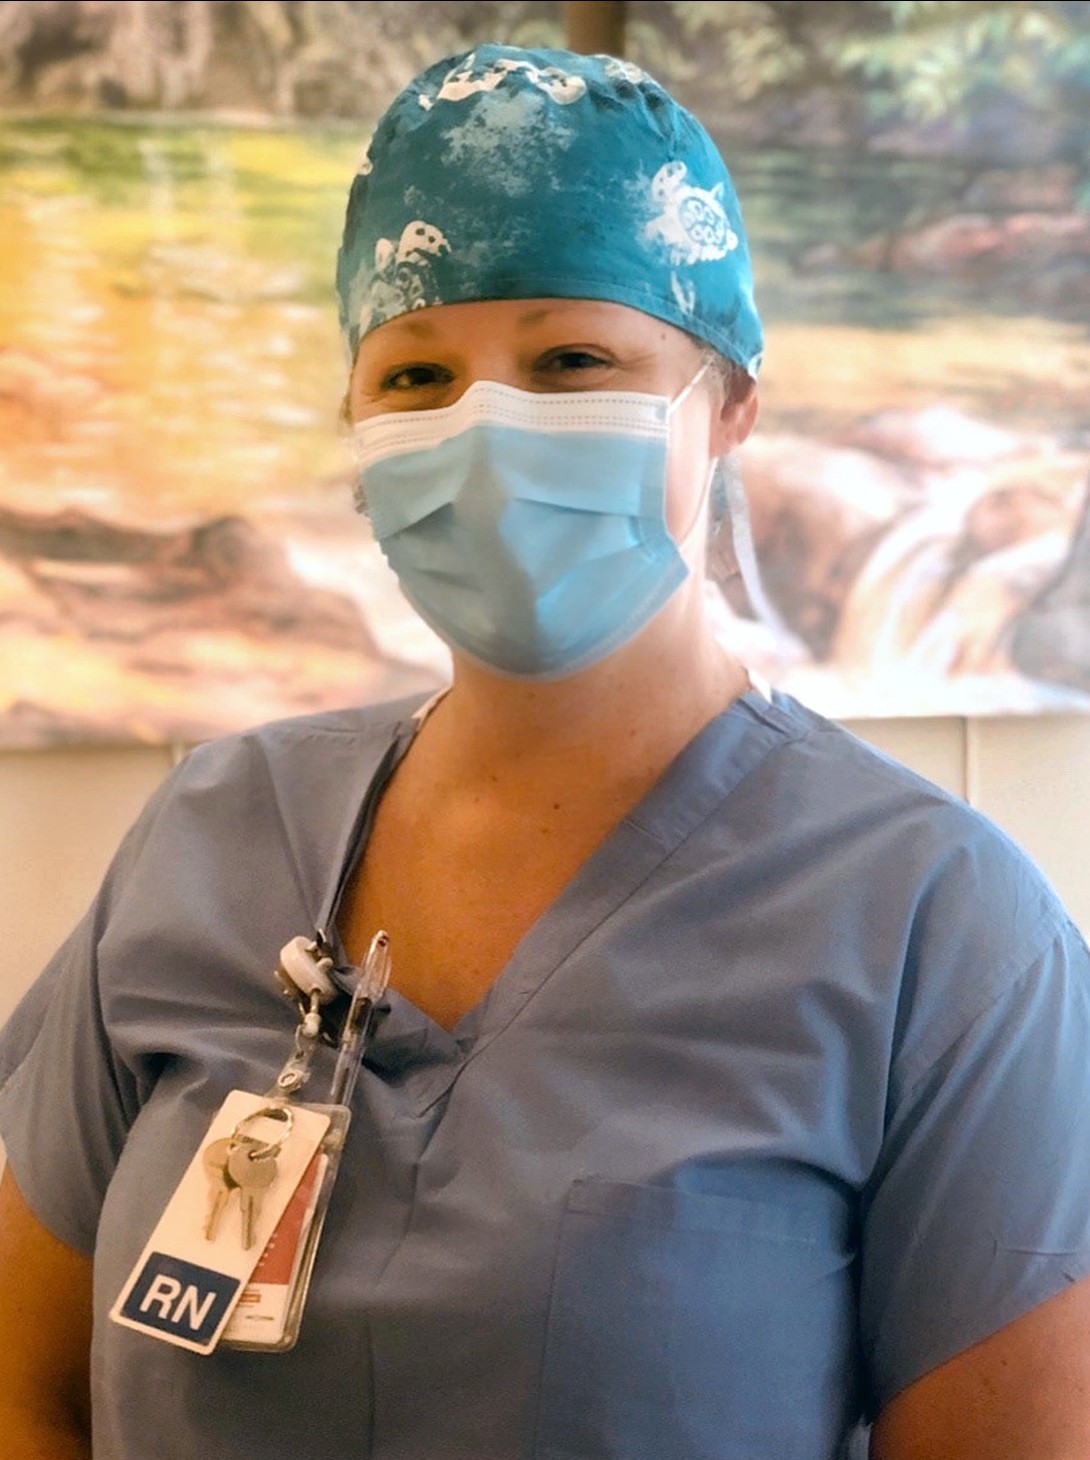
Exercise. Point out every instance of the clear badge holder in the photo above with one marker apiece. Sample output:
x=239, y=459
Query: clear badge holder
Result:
x=269, y=1312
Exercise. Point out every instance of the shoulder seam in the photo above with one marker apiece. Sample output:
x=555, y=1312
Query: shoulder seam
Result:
x=1058, y=923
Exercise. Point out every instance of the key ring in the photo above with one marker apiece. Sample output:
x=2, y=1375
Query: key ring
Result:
x=262, y=1149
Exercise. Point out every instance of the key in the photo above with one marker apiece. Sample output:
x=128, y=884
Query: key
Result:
x=253, y=1171
x=220, y=1184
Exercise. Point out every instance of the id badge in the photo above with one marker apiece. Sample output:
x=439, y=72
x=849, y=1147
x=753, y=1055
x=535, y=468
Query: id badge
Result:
x=217, y=1224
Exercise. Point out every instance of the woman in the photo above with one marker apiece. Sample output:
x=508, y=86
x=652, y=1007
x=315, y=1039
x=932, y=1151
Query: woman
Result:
x=735, y=1084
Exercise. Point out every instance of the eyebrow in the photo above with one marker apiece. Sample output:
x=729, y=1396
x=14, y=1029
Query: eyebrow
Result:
x=535, y=316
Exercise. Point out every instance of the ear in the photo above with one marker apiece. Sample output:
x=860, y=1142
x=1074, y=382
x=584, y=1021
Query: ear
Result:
x=736, y=416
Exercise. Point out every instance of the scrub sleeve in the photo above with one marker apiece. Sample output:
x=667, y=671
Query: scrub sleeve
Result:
x=979, y=1207
x=67, y=1100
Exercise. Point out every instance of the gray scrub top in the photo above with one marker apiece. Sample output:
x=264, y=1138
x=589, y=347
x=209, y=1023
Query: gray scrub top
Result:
x=783, y=1102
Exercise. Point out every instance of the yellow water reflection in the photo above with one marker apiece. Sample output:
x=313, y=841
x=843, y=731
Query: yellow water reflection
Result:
x=168, y=338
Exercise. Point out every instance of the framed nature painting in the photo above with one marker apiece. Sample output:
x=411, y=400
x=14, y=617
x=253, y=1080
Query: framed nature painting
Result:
x=178, y=553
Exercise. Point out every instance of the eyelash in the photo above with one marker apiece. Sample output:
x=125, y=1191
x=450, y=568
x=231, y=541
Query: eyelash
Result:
x=560, y=362
x=596, y=362
x=390, y=380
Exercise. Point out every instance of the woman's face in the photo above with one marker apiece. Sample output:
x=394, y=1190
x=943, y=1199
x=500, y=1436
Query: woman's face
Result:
x=426, y=359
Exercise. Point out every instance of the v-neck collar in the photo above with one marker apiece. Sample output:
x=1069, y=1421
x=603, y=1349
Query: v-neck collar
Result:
x=409, y=1048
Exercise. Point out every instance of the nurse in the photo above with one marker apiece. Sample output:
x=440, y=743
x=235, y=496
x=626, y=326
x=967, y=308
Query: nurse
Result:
x=733, y=1087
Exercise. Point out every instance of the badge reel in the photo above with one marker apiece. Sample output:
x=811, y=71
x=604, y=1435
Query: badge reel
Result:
x=231, y=1258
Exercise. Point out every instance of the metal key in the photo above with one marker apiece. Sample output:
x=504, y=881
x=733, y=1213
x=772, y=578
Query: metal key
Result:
x=220, y=1183
x=253, y=1170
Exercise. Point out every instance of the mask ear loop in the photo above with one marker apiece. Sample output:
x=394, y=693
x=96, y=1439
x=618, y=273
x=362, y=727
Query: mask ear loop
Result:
x=682, y=542
x=687, y=390
x=359, y=485
x=730, y=498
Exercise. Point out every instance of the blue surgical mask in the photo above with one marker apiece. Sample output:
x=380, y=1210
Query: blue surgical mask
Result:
x=529, y=530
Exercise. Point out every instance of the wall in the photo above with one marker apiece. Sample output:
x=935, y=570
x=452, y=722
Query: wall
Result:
x=63, y=812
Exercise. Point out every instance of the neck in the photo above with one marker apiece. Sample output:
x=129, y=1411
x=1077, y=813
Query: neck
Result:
x=629, y=714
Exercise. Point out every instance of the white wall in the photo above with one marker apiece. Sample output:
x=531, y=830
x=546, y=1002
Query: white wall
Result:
x=1030, y=775
x=63, y=812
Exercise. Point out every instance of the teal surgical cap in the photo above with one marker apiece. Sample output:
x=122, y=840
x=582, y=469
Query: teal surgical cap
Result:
x=512, y=174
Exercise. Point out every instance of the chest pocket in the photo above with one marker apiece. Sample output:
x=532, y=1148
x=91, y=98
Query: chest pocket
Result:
x=684, y=1326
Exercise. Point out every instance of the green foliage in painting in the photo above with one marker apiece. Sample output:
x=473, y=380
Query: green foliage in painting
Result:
x=935, y=56
x=962, y=68
x=754, y=47
x=933, y=52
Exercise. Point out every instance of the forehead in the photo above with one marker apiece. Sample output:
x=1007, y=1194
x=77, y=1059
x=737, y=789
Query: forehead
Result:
x=525, y=321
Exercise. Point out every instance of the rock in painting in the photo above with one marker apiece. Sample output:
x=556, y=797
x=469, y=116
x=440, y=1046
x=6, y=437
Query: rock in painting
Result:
x=921, y=550
x=116, y=632
x=1051, y=640
x=817, y=512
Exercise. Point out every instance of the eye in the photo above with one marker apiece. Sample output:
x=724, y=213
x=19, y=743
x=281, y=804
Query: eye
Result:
x=573, y=360
x=415, y=377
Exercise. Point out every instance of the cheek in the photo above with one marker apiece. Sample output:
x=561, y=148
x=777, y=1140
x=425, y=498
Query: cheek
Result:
x=686, y=487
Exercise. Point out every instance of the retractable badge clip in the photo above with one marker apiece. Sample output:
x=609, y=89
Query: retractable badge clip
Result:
x=304, y=974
